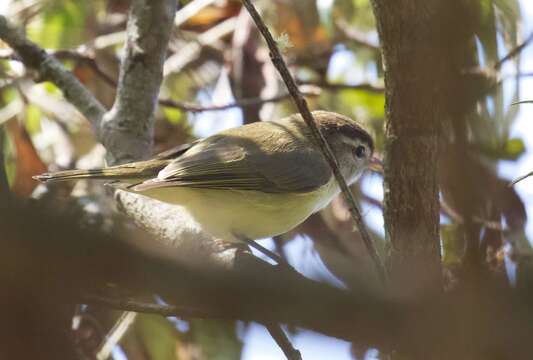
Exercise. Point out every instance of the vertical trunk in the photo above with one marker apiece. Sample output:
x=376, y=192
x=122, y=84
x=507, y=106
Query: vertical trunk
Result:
x=422, y=50
x=4, y=186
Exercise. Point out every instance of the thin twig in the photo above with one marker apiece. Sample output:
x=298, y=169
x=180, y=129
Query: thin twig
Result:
x=517, y=180
x=301, y=104
x=77, y=55
x=114, y=335
x=50, y=68
x=366, y=86
x=283, y=341
x=242, y=103
x=149, y=308
x=85, y=59
x=522, y=102
x=355, y=36
x=514, y=52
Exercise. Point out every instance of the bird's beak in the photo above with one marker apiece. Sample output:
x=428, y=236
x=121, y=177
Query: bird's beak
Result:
x=375, y=165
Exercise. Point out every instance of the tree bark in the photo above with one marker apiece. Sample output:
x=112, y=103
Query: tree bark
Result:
x=127, y=129
x=416, y=70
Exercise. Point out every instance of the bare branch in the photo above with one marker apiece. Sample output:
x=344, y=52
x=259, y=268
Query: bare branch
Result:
x=283, y=342
x=366, y=86
x=51, y=69
x=514, y=52
x=247, y=102
x=301, y=104
x=355, y=36
x=127, y=129
x=150, y=308
x=517, y=180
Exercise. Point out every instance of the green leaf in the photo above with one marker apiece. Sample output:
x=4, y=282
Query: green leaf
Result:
x=62, y=24
x=453, y=244
x=174, y=116
x=369, y=105
x=33, y=119
x=508, y=150
x=217, y=339
x=514, y=148
x=158, y=335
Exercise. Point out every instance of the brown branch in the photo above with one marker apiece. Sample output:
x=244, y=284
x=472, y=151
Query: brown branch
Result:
x=81, y=57
x=517, y=180
x=242, y=103
x=301, y=104
x=357, y=37
x=58, y=270
x=283, y=342
x=514, y=52
x=366, y=86
x=49, y=68
x=88, y=60
x=149, y=308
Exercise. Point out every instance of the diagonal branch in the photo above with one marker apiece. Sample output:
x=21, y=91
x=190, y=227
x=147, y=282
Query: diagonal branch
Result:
x=49, y=68
x=301, y=104
x=514, y=52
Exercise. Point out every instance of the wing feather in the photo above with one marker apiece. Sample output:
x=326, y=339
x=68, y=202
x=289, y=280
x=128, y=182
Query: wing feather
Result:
x=230, y=161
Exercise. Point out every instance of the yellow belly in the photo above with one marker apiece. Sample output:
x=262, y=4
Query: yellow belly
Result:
x=227, y=214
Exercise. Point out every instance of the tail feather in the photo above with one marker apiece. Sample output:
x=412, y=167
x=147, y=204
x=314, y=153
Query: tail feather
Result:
x=138, y=170
x=75, y=174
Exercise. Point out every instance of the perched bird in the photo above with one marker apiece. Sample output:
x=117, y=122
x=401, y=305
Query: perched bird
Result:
x=249, y=182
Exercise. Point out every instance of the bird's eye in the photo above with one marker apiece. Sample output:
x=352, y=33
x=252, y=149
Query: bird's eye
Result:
x=360, y=151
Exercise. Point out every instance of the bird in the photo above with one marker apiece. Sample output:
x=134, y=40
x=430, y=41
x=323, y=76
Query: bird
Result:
x=249, y=182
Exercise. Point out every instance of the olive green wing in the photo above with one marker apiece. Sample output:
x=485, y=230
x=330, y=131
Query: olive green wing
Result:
x=225, y=162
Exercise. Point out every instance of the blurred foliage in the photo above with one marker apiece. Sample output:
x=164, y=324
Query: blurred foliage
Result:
x=160, y=339
x=332, y=43
x=61, y=24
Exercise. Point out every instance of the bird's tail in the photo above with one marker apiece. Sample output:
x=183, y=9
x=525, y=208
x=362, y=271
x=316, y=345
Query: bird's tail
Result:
x=138, y=170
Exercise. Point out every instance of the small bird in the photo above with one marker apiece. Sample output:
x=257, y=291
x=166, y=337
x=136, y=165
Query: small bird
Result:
x=250, y=182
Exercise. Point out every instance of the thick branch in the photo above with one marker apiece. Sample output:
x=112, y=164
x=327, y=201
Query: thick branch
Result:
x=301, y=104
x=60, y=270
x=52, y=70
x=127, y=130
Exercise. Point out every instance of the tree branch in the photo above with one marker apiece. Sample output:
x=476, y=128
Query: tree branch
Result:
x=514, y=52
x=357, y=37
x=150, y=308
x=366, y=86
x=242, y=103
x=301, y=104
x=60, y=270
x=52, y=70
x=283, y=341
x=127, y=129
